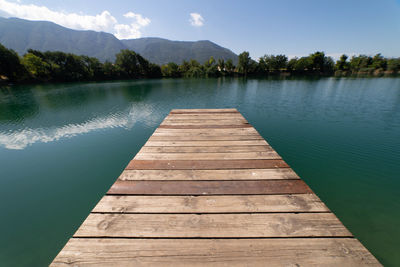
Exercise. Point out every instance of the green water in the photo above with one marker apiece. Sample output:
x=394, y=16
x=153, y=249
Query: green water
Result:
x=62, y=146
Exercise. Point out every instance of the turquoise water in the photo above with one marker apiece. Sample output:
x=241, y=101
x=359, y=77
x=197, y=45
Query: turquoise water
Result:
x=62, y=146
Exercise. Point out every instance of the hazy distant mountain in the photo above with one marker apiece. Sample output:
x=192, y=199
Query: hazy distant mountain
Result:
x=162, y=51
x=20, y=35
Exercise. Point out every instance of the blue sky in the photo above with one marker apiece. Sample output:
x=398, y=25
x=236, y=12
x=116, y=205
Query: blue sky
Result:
x=261, y=27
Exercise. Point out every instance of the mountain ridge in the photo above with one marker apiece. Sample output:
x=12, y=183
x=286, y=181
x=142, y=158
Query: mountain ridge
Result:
x=21, y=35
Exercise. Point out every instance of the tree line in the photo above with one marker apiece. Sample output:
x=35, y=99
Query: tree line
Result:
x=37, y=66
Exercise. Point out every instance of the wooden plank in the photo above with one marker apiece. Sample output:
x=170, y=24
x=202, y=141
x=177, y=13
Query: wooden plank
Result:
x=204, y=149
x=207, y=120
x=345, y=252
x=208, y=178
x=205, y=116
x=207, y=156
x=211, y=204
x=243, y=187
x=228, y=131
x=212, y=225
x=204, y=135
x=206, y=164
x=210, y=110
x=204, y=122
x=205, y=138
x=208, y=143
x=216, y=126
x=236, y=174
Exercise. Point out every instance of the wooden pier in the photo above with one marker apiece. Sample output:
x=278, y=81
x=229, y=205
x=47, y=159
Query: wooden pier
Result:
x=207, y=189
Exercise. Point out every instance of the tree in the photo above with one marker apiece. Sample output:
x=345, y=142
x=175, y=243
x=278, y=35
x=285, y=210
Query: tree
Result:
x=131, y=64
x=221, y=65
x=210, y=69
x=209, y=62
x=342, y=64
x=170, y=70
x=393, y=64
x=379, y=62
x=110, y=71
x=360, y=63
x=273, y=63
x=244, y=62
x=184, y=67
x=317, y=61
x=36, y=67
x=291, y=66
x=94, y=68
x=303, y=64
x=154, y=71
x=329, y=65
x=229, y=67
x=10, y=65
x=263, y=65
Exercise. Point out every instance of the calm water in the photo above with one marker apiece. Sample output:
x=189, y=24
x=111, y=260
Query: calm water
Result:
x=62, y=146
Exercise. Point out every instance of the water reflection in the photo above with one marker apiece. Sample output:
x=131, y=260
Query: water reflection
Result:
x=20, y=139
x=16, y=106
x=340, y=135
x=47, y=113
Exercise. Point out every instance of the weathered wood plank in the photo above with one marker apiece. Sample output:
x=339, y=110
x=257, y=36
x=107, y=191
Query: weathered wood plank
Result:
x=207, y=173
x=207, y=156
x=228, y=131
x=211, y=126
x=345, y=252
x=204, y=149
x=208, y=124
x=212, y=225
x=210, y=110
x=210, y=204
x=206, y=164
x=204, y=121
x=208, y=143
x=205, y=138
x=242, y=187
x=209, y=120
x=205, y=116
x=236, y=174
x=203, y=134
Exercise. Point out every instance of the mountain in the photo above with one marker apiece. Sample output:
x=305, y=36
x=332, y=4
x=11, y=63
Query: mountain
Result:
x=20, y=35
x=162, y=51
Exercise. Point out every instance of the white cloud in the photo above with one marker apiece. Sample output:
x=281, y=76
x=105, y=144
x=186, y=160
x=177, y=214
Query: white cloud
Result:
x=196, y=20
x=139, y=18
x=100, y=22
x=124, y=31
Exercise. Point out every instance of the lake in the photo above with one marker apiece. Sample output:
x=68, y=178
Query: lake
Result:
x=62, y=146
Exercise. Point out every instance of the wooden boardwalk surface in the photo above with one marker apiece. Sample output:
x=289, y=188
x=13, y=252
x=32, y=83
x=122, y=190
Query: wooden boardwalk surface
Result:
x=207, y=189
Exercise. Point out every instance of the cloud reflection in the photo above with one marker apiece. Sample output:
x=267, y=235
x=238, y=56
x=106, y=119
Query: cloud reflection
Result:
x=20, y=139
